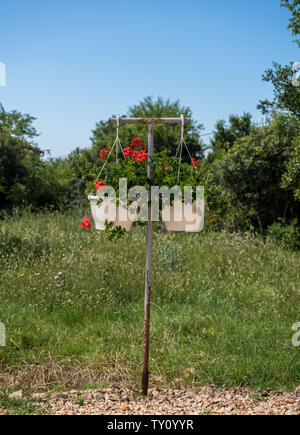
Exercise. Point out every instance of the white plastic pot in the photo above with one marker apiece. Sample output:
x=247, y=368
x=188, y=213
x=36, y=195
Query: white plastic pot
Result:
x=104, y=212
x=192, y=217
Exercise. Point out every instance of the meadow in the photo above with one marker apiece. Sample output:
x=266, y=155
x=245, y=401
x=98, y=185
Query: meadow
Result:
x=222, y=310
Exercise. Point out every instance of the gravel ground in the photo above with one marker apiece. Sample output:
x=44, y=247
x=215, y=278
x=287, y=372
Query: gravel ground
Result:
x=207, y=400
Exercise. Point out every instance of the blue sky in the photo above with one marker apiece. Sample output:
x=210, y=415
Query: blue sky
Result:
x=72, y=63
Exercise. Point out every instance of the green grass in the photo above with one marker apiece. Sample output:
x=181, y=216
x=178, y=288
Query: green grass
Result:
x=11, y=406
x=222, y=306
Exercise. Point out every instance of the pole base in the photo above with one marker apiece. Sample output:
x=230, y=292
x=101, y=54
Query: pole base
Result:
x=145, y=383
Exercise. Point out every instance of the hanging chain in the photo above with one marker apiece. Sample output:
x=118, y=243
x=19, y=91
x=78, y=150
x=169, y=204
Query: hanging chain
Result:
x=117, y=138
x=180, y=147
x=116, y=144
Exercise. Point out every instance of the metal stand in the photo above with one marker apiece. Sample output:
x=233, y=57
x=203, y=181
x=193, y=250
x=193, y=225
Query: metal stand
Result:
x=150, y=122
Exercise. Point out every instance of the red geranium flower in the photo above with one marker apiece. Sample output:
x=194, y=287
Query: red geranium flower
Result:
x=138, y=155
x=86, y=224
x=103, y=152
x=138, y=143
x=195, y=162
x=99, y=184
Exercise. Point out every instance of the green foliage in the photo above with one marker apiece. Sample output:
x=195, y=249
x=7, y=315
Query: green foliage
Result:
x=291, y=178
x=286, y=95
x=294, y=7
x=251, y=171
x=16, y=124
x=73, y=178
x=286, y=234
x=24, y=177
x=226, y=134
x=114, y=232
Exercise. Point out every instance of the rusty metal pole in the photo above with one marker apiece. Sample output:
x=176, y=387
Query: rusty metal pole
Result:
x=145, y=374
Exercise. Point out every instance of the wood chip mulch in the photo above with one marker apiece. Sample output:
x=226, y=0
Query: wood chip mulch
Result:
x=206, y=400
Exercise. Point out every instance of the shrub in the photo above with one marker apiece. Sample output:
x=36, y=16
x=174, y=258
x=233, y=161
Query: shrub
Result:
x=252, y=171
x=286, y=234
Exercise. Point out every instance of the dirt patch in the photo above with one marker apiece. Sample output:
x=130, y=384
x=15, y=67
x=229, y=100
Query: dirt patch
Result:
x=207, y=400
x=40, y=379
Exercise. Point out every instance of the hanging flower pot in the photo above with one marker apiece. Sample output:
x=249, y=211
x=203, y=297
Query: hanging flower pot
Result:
x=133, y=167
x=186, y=218
x=103, y=211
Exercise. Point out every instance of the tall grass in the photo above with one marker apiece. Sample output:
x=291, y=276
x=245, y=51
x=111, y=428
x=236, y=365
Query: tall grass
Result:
x=222, y=305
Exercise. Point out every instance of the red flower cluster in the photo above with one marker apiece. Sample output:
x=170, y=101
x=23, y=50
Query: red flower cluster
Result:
x=168, y=168
x=99, y=184
x=139, y=154
x=138, y=143
x=85, y=224
x=195, y=162
x=104, y=151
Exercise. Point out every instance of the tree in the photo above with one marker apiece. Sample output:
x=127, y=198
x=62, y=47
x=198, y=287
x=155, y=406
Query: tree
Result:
x=294, y=7
x=24, y=177
x=16, y=124
x=226, y=134
x=286, y=95
x=252, y=171
x=291, y=177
